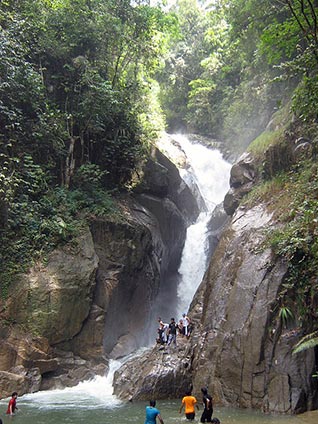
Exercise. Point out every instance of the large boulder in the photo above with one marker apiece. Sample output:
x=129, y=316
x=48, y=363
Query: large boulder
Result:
x=161, y=179
x=54, y=299
x=127, y=282
x=242, y=179
x=156, y=374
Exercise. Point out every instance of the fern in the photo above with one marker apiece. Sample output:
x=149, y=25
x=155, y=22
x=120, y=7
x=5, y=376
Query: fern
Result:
x=307, y=342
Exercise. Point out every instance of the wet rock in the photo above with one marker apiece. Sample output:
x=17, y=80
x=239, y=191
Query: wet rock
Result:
x=172, y=229
x=243, y=171
x=12, y=382
x=215, y=227
x=157, y=374
x=242, y=178
x=20, y=380
x=72, y=370
x=161, y=179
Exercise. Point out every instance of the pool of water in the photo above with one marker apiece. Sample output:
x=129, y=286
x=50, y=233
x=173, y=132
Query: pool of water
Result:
x=92, y=403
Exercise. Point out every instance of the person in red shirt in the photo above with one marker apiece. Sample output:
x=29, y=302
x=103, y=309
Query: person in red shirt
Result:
x=12, y=404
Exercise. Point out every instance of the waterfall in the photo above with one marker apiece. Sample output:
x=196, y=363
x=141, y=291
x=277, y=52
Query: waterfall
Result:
x=210, y=172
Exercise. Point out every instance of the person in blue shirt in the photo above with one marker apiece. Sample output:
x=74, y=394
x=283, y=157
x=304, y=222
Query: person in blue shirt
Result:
x=152, y=413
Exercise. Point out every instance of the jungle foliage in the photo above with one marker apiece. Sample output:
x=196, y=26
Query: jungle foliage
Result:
x=76, y=114
x=236, y=62
x=86, y=86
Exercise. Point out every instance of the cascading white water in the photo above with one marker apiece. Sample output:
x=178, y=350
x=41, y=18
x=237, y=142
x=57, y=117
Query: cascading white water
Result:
x=90, y=394
x=211, y=174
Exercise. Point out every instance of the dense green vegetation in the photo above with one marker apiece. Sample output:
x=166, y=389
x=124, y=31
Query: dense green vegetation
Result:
x=236, y=62
x=87, y=85
x=76, y=115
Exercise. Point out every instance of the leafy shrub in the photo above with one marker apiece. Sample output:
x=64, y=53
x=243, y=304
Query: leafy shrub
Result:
x=297, y=241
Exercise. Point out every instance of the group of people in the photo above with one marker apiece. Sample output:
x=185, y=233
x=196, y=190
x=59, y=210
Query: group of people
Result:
x=189, y=402
x=167, y=333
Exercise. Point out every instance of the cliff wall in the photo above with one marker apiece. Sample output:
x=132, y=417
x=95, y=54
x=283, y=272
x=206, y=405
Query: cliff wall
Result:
x=92, y=299
x=240, y=347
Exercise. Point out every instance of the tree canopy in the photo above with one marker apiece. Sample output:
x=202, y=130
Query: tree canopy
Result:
x=251, y=56
x=87, y=85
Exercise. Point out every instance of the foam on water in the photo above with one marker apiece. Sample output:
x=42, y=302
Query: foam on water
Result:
x=90, y=394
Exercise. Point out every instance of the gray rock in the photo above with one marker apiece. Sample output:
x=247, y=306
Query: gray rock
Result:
x=157, y=374
x=242, y=179
x=237, y=335
x=55, y=299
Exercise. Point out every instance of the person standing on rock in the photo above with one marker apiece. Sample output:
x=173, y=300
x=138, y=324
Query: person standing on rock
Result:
x=189, y=402
x=172, y=338
x=12, y=404
x=185, y=323
x=152, y=413
x=163, y=331
x=208, y=406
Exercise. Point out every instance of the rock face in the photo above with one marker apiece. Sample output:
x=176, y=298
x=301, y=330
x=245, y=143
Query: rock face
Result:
x=68, y=275
x=93, y=298
x=239, y=348
x=242, y=179
x=215, y=228
x=45, y=308
x=239, y=335
x=161, y=179
x=157, y=374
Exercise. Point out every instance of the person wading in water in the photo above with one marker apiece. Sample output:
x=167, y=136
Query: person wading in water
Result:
x=152, y=413
x=208, y=407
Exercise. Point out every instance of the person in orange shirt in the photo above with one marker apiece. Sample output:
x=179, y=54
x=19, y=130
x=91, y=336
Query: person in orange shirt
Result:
x=189, y=402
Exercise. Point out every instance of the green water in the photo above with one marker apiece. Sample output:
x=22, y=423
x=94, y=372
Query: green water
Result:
x=41, y=410
x=92, y=402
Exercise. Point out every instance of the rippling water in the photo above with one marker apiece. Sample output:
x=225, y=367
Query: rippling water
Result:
x=69, y=406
